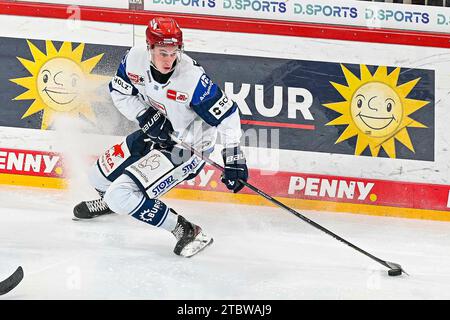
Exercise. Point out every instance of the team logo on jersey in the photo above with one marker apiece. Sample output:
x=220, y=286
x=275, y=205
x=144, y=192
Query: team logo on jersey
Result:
x=177, y=96
x=153, y=162
x=135, y=78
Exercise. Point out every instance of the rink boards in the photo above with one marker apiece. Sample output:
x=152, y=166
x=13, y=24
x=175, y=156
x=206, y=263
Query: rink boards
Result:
x=306, y=191
x=295, y=95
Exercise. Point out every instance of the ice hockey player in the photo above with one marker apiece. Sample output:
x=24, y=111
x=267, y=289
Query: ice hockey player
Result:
x=166, y=92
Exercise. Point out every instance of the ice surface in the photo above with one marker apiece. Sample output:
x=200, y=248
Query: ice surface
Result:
x=258, y=253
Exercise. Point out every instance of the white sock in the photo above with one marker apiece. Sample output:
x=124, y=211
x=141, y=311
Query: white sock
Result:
x=171, y=221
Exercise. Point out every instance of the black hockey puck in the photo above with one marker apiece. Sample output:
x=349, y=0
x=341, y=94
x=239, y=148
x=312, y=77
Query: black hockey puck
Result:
x=394, y=272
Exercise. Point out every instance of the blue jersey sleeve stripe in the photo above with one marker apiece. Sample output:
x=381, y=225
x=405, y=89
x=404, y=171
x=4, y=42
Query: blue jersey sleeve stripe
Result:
x=208, y=102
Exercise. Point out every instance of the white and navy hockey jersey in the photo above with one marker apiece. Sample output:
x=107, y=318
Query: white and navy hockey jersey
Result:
x=196, y=107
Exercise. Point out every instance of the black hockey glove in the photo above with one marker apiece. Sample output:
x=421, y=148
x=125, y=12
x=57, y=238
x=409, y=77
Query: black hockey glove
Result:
x=156, y=126
x=235, y=168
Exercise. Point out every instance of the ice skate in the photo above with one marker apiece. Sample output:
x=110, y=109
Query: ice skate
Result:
x=190, y=238
x=90, y=209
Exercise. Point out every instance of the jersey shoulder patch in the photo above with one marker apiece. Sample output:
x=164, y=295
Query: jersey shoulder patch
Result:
x=121, y=85
x=210, y=102
x=205, y=89
x=127, y=77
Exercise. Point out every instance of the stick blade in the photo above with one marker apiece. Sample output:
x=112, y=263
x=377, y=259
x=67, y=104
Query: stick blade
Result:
x=12, y=281
x=395, y=269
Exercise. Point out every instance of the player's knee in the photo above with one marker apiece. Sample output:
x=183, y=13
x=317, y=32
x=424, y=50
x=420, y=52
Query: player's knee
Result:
x=115, y=197
x=123, y=196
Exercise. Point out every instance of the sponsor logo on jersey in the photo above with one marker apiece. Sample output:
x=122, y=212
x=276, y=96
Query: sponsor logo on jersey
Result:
x=135, y=78
x=113, y=158
x=331, y=188
x=148, y=214
x=190, y=166
x=177, y=96
x=207, y=92
x=203, y=89
x=163, y=186
x=205, y=80
x=121, y=85
x=118, y=151
x=221, y=107
x=142, y=177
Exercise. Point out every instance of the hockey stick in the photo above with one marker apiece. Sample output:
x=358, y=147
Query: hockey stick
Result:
x=394, y=268
x=12, y=281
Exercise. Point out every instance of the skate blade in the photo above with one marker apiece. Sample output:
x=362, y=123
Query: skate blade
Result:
x=80, y=219
x=200, y=242
x=91, y=218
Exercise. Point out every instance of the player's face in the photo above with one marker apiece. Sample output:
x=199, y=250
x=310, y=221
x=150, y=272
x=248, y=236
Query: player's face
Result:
x=163, y=57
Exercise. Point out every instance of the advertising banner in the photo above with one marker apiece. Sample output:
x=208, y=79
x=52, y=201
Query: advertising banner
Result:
x=334, y=189
x=366, y=14
x=361, y=110
x=350, y=13
x=328, y=107
x=31, y=163
x=51, y=169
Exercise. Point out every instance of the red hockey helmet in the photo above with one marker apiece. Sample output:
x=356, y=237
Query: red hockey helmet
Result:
x=164, y=32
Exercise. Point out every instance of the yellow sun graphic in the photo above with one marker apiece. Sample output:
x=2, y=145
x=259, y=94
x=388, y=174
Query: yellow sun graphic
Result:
x=376, y=110
x=60, y=83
